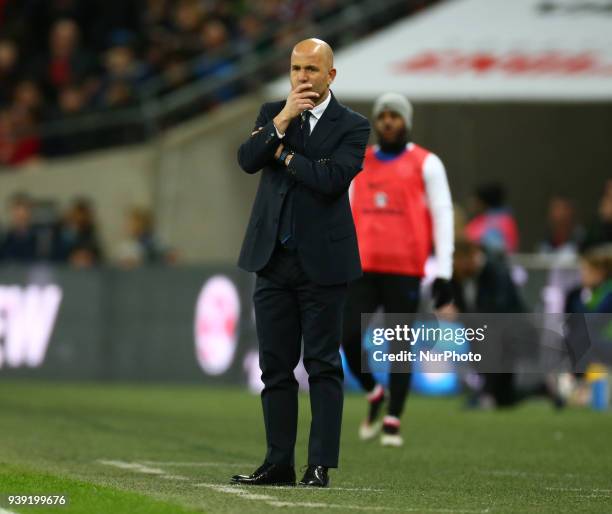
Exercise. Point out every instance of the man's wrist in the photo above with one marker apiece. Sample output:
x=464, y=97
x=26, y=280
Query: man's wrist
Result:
x=281, y=123
x=285, y=156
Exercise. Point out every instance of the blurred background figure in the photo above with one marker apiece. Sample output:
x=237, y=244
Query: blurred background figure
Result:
x=590, y=337
x=493, y=224
x=76, y=240
x=402, y=209
x=140, y=246
x=594, y=294
x=19, y=142
x=9, y=69
x=600, y=230
x=483, y=284
x=67, y=61
x=71, y=103
x=20, y=242
x=564, y=234
x=482, y=281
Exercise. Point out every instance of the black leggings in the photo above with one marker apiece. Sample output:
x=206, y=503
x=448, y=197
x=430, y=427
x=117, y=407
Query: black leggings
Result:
x=394, y=293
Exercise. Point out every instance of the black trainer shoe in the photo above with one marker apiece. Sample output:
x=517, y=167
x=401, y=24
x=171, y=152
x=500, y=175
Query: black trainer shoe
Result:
x=315, y=476
x=268, y=474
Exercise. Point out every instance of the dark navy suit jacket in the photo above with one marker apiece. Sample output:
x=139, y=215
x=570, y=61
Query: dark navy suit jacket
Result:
x=319, y=175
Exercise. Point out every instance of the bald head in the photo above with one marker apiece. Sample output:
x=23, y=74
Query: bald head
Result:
x=312, y=62
x=315, y=47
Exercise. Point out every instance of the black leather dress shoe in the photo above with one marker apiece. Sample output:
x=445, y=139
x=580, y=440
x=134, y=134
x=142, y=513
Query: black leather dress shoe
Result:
x=268, y=474
x=315, y=476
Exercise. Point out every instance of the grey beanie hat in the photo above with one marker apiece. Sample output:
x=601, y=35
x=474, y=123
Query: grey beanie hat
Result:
x=396, y=103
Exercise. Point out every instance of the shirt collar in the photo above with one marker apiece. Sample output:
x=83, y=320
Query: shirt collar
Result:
x=318, y=110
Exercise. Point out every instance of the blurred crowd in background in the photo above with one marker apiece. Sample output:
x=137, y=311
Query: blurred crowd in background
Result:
x=63, y=59
x=35, y=230
x=491, y=223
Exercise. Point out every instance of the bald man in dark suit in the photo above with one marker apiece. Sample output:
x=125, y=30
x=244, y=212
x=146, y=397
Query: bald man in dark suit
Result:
x=302, y=245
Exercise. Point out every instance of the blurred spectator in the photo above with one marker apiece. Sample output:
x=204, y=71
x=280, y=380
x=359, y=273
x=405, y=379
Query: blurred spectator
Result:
x=175, y=72
x=564, y=234
x=118, y=93
x=40, y=16
x=252, y=35
x=595, y=291
x=20, y=243
x=71, y=103
x=482, y=281
x=67, y=61
x=6, y=145
x=600, y=231
x=493, y=224
x=76, y=241
x=9, y=57
x=589, y=338
x=187, y=18
x=141, y=246
x=213, y=63
x=27, y=95
x=121, y=63
x=483, y=284
x=19, y=141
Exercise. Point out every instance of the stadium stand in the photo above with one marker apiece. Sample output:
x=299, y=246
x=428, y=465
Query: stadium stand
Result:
x=77, y=75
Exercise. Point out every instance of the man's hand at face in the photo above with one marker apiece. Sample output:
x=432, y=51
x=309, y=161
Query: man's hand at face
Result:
x=302, y=98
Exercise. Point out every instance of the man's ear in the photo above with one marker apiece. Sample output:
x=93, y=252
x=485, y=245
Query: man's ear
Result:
x=331, y=76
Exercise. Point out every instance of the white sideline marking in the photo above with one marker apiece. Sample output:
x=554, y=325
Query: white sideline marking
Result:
x=132, y=466
x=237, y=491
x=526, y=474
x=579, y=490
x=194, y=464
x=173, y=477
x=318, y=505
x=140, y=468
x=245, y=493
x=4, y=511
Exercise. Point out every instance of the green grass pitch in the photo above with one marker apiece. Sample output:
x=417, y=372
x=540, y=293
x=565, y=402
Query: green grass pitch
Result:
x=171, y=449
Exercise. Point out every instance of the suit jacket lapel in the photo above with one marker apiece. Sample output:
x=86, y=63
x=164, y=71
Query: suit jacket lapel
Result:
x=326, y=124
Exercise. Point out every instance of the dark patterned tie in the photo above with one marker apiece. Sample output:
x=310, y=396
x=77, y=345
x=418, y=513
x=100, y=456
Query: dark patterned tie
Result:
x=305, y=126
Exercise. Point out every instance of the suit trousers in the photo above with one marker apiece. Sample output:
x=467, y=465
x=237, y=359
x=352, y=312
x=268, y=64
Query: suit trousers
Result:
x=290, y=307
